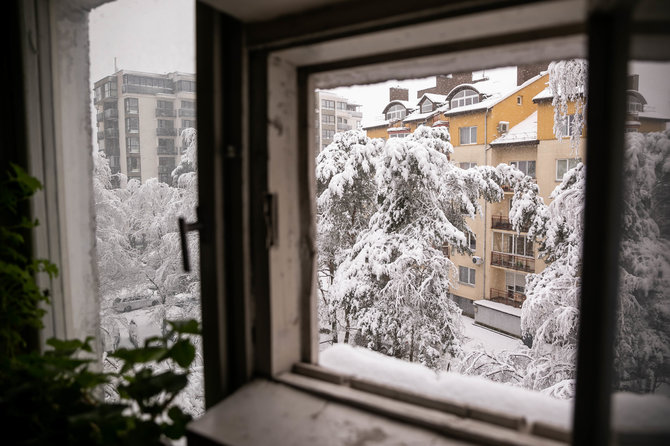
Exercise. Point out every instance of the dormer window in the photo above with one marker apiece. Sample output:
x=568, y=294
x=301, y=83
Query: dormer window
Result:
x=426, y=106
x=396, y=112
x=634, y=106
x=464, y=97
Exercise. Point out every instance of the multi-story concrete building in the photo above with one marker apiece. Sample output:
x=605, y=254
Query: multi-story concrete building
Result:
x=140, y=117
x=334, y=114
x=490, y=127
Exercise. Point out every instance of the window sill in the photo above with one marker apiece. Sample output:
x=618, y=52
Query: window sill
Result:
x=472, y=285
x=296, y=409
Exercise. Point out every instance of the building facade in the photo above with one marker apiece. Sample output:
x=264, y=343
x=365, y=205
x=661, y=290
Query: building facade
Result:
x=140, y=117
x=334, y=114
x=515, y=127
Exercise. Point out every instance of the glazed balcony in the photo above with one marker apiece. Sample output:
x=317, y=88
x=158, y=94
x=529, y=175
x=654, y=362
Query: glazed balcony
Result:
x=507, y=297
x=511, y=261
x=500, y=222
x=166, y=131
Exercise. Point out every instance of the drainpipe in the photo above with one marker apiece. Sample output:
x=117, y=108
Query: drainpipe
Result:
x=487, y=147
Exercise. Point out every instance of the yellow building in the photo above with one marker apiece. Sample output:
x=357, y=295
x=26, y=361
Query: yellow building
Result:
x=515, y=127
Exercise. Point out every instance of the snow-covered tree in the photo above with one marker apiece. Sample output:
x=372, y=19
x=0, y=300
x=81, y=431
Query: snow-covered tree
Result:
x=567, y=82
x=396, y=279
x=347, y=198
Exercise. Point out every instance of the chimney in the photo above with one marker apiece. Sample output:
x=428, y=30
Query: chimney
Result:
x=398, y=94
x=634, y=82
x=444, y=83
x=525, y=72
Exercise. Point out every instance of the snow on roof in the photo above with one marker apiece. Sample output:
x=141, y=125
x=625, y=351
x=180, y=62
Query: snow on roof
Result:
x=435, y=98
x=544, y=94
x=526, y=130
x=495, y=98
x=407, y=104
x=499, y=307
x=418, y=116
x=653, y=115
x=397, y=129
x=440, y=122
x=374, y=124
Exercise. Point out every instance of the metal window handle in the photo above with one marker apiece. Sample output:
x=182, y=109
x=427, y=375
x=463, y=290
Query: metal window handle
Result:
x=184, y=228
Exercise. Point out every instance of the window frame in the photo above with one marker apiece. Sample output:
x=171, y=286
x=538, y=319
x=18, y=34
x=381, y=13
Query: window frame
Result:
x=469, y=130
x=567, y=166
x=470, y=272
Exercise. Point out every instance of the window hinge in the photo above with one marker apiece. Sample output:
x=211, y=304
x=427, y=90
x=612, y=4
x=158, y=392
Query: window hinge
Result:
x=270, y=214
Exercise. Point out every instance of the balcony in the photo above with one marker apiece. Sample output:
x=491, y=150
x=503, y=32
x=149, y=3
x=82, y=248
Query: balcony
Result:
x=166, y=131
x=165, y=169
x=500, y=222
x=355, y=114
x=101, y=135
x=343, y=127
x=99, y=117
x=511, y=261
x=166, y=150
x=111, y=133
x=506, y=297
x=165, y=113
x=186, y=113
x=111, y=113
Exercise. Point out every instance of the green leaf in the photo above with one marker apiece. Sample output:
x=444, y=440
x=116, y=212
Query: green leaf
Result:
x=138, y=356
x=183, y=353
x=190, y=326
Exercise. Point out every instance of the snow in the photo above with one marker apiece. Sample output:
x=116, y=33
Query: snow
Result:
x=499, y=307
x=467, y=390
x=544, y=94
x=526, y=130
x=478, y=337
x=418, y=116
x=435, y=98
x=630, y=412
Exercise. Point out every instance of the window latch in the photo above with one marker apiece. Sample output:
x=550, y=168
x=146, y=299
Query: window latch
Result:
x=184, y=229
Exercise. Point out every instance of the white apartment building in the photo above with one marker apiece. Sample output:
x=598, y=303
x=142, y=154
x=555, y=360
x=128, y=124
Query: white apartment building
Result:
x=334, y=114
x=140, y=117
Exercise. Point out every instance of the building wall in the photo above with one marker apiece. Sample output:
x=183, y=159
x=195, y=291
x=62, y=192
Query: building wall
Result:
x=652, y=125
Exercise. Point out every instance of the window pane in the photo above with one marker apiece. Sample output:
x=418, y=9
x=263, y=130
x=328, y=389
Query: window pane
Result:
x=143, y=80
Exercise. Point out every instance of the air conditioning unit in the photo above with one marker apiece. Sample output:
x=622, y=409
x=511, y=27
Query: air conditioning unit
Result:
x=503, y=127
x=477, y=260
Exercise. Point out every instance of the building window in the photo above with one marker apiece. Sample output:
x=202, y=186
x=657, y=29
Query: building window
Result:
x=518, y=245
x=188, y=123
x=328, y=134
x=466, y=275
x=132, y=125
x=396, y=112
x=464, y=97
x=519, y=100
x=188, y=104
x=515, y=282
x=341, y=105
x=526, y=167
x=562, y=166
x=328, y=119
x=472, y=242
x=325, y=103
x=133, y=164
x=133, y=144
x=132, y=106
x=398, y=135
x=427, y=106
x=467, y=165
x=467, y=135
x=568, y=126
x=166, y=146
x=188, y=86
x=165, y=124
x=341, y=120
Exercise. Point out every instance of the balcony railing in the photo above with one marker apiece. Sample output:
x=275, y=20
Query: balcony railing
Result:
x=166, y=131
x=187, y=113
x=343, y=127
x=511, y=261
x=507, y=297
x=165, y=113
x=500, y=222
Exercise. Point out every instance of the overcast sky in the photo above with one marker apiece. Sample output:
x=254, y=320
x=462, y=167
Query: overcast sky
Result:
x=159, y=36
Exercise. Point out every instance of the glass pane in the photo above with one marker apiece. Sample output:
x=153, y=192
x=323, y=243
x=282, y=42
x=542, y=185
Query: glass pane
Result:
x=386, y=206
x=143, y=76
x=641, y=379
